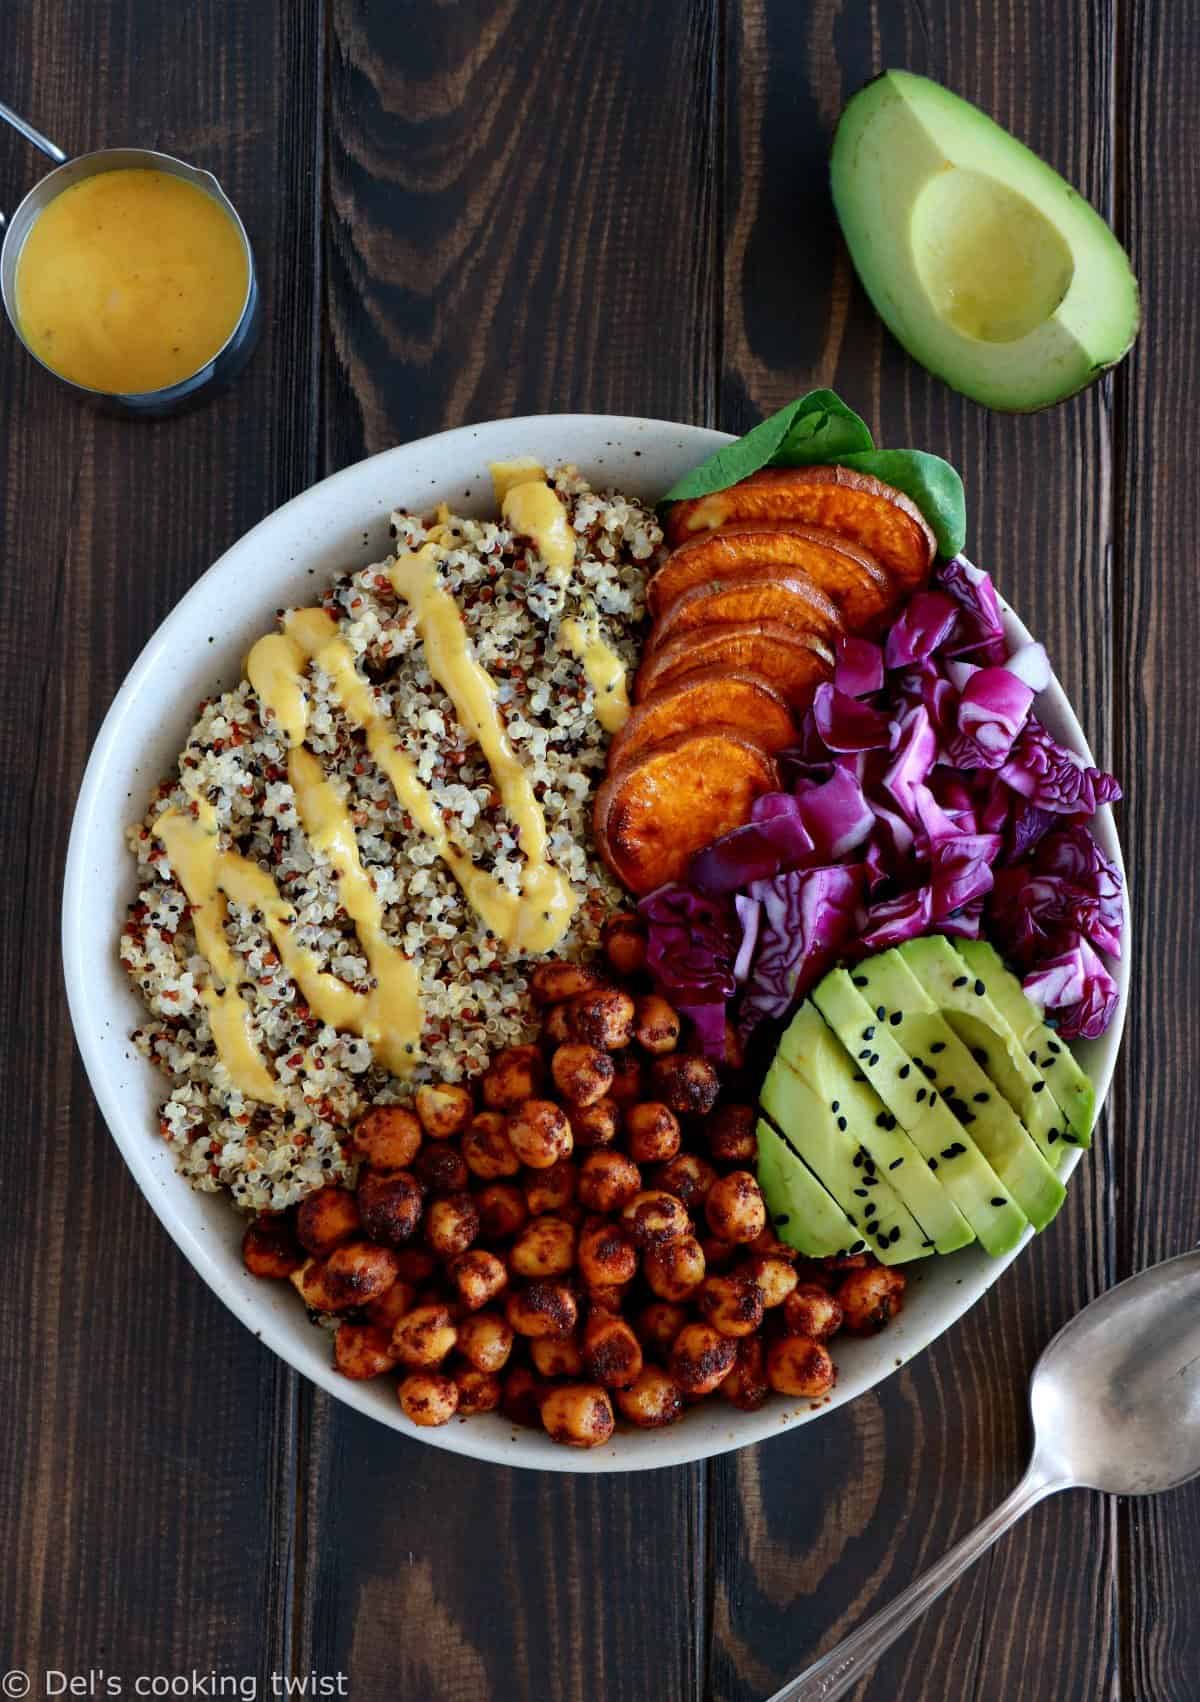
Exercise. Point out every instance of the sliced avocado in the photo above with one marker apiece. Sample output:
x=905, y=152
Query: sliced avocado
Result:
x=1038, y=1043
x=985, y=1030
x=813, y=1051
x=915, y=1019
x=962, y=1170
x=802, y=1212
x=990, y=269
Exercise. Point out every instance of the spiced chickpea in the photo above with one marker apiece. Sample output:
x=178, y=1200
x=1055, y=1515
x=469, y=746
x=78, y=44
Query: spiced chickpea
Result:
x=579, y=1414
x=774, y=1278
x=731, y=1304
x=550, y=1190
x=626, y=1089
x=539, y=1133
x=607, y=1181
x=486, y=1148
x=556, y=1026
x=486, y=1339
x=651, y=1400
x=521, y=1396
x=652, y=1132
x=871, y=1298
x=270, y=1248
x=654, y=1218
x=477, y=1277
x=594, y=1125
x=478, y=1391
x=700, y=1358
x=390, y=1204
x=352, y=1275
x=612, y=1354
x=388, y=1309
x=425, y=1335
x=553, y=1358
x=607, y=1257
x=606, y=1297
x=451, y=1225
x=502, y=1211
x=327, y=1219
x=583, y=1074
x=514, y=1075
x=797, y=1365
x=388, y=1136
x=658, y=1324
x=542, y=1309
x=730, y=1134
x=603, y=1017
x=655, y=1025
x=746, y=1385
x=445, y=1110
x=810, y=1310
x=624, y=939
x=544, y=1248
x=675, y=1270
x=689, y=1085
x=363, y=1350
x=687, y=1176
x=734, y=1207
x=552, y=983
x=441, y=1168
x=428, y=1398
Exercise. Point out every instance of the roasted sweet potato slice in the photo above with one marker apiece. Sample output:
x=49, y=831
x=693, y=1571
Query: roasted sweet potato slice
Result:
x=654, y=812
x=726, y=697
x=854, y=505
x=793, y=665
x=853, y=580
x=792, y=600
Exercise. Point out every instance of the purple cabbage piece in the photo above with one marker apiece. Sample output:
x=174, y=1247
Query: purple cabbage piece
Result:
x=709, y=1023
x=691, y=944
x=962, y=872
x=916, y=753
x=1078, y=987
x=923, y=626
x=980, y=631
x=755, y=851
x=858, y=670
x=993, y=706
x=836, y=815
x=845, y=724
x=904, y=917
x=1053, y=777
x=808, y=917
x=749, y=915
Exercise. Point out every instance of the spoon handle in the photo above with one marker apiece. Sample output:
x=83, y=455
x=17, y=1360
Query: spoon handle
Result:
x=31, y=135
x=844, y=1666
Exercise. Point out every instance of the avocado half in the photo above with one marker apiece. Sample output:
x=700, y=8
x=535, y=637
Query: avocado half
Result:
x=982, y=261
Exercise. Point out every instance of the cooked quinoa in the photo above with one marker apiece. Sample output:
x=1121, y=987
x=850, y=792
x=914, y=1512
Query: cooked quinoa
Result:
x=473, y=987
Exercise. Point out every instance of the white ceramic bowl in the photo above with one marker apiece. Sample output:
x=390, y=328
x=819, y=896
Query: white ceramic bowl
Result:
x=343, y=523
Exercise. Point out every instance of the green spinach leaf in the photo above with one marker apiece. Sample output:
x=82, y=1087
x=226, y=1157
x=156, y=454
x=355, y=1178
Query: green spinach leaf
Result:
x=824, y=430
x=812, y=428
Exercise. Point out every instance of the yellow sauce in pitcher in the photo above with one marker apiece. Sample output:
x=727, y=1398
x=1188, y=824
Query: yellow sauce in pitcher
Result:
x=130, y=281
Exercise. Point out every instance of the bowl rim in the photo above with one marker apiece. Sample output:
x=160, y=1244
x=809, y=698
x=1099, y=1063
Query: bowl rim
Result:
x=627, y=1451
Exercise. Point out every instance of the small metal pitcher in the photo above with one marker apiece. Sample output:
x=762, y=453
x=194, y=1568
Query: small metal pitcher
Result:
x=228, y=361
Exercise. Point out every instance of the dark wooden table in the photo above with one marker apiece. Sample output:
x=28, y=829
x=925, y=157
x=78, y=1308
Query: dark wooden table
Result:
x=477, y=209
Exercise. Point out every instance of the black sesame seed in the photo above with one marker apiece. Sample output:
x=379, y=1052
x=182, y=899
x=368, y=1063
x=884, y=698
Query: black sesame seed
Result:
x=881, y=1011
x=869, y=1033
x=960, y=980
x=938, y=1046
x=865, y=1053
x=1053, y=1046
x=858, y=1076
x=869, y=1211
x=1052, y=1136
x=981, y=1098
x=1038, y=1086
x=896, y=1163
x=998, y=1201
x=842, y=1124
x=979, y=1055
x=896, y=1018
x=979, y=989
x=904, y=1069
x=874, y=1059
x=870, y=1181
x=920, y=1095
x=836, y=1106
x=859, y=980
x=948, y=1151
x=881, y=1121
x=932, y=1097
x=895, y=1235
x=861, y=1192
x=859, y=1247
x=933, y=1163
x=1033, y=1057
x=858, y=1159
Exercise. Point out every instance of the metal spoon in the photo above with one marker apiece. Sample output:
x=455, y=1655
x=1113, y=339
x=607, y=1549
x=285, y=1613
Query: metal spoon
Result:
x=1116, y=1407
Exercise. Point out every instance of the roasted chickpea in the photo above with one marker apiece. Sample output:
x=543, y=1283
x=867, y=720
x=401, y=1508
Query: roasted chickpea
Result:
x=731, y=1304
x=388, y=1137
x=542, y=1309
x=594, y=1125
x=556, y=1358
x=391, y=1305
x=414, y=1265
x=810, y=1310
x=502, y=1211
x=651, y=1400
x=514, y=1075
x=871, y=1298
x=651, y=1132
x=603, y=1017
x=624, y=940
x=544, y=1248
x=675, y=1270
x=391, y=1204
x=796, y=1365
x=478, y=1391
x=539, y=1133
x=477, y=1277
x=327, y=1219
x=688, y=1085
x=550, y=1190
x=441, y=1168
x=626, y=1089
x=746, y=1384
x=582, y=1074
x=658, y=1324
x=774, y=1278
x=352, y=1275
x=425, y=1335
x=607, y=1257
x=428, y=1398
x=486, y=1340
x=612, y=1354
x=444, y=1111
x=451, y=1225
x=579, y=1414
x=655, y=1025
x=734, y=1207
x=687, y=1176
x=654, y=1217
x=607, y=1181
x=552, y=983
x=363, y=1350
x=487, y=1149
x=522, y=1394
x=606, y=1297
x=700, y=1358
x=269, y=1247
x=718, y=1254
x=556, y=1025
x=731, y=1136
